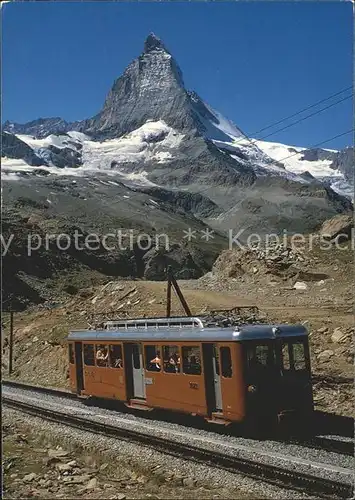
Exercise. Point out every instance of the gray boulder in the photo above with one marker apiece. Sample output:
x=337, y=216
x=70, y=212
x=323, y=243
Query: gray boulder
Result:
x=338, y=227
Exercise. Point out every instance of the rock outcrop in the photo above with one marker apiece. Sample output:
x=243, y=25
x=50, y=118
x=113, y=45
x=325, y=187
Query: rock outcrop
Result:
x=345, y=162
x=13, y=147
x=338, y=228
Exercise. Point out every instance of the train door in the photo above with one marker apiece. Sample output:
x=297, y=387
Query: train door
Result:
x=212, y=377
x=217, y=377
x=295, y=386
x=137, y=371
x=262, y=377
x=79, y=366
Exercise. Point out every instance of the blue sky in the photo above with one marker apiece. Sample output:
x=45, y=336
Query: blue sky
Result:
x=255, y=62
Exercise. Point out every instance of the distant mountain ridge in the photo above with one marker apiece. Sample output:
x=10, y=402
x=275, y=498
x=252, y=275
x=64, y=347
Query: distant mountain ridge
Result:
x=42, y=127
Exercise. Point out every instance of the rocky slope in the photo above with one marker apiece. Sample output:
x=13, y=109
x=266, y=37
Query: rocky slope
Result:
x=47, y=235
x=324, y=305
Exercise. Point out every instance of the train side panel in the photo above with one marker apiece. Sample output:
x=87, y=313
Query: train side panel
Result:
x=176, y=391
x=105, y=382
x=233, y=386
x=182, y=392
x=72, y=368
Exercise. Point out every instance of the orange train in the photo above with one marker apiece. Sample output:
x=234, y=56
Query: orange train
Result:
x=233, y=374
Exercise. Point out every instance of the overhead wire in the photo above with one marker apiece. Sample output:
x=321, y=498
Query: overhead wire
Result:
x=301, y=111
x=306, y=117
x=318, y=144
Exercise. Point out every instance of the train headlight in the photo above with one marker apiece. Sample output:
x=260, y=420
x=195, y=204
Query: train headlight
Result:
x=251, y=388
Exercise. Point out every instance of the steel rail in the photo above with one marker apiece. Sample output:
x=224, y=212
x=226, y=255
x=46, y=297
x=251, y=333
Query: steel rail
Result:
x=315, y=442
x=326, y=444
x=40, y=388
x=269, y=473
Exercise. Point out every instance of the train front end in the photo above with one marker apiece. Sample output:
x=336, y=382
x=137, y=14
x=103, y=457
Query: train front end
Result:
x=277, y=374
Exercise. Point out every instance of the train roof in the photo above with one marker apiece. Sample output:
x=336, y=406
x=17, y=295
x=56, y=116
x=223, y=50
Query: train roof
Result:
x=184, y=329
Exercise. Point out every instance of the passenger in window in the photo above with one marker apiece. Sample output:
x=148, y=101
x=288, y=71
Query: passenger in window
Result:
x=175, y=361
x=116, y=357
x=173, y=365
x=169, y=366
x=156, y=361
x=195, y=367
x=102, y=356
x=118, y=363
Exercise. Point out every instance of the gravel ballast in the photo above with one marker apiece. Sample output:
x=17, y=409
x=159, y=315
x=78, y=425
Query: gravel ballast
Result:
x=171, y=468
x=303, y=459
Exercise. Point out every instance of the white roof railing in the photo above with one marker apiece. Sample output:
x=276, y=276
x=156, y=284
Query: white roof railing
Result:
x=145, y=323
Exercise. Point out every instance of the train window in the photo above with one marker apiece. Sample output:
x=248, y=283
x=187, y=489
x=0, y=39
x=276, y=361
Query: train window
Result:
x=226, y=362
x=216, y=359
x=152, y=358
x=71, y=354
x=102, y=355
x=136, y=357
x=116, y=360
x=286, y=357
x=260, y=355
x=89, y=355
x=191, y=360
x=299, y=360
x=171, y=358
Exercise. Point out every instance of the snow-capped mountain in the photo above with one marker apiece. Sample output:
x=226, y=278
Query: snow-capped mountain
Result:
x=153, y=132
x=159, y=143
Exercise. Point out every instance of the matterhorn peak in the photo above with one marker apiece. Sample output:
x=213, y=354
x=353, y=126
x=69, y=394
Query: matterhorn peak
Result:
x=153, y=42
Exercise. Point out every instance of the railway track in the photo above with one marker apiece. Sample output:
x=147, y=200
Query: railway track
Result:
x=280, y=476
x=317, y=442
x=39, y=388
